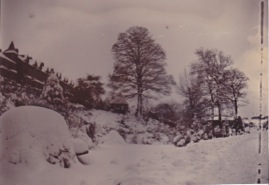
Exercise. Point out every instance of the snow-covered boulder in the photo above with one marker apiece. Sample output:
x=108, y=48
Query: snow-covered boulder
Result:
x=85, y=159
x=196, y=138
x=33, y=135
x=113, y=137
x=181, y=140
x=82, y=135
x=162, y=138
x=204, y=136
x=144, y=138
x=80, y=146
x=217, y=131
x=177, y=138
x=201, y=132
x=148, y=139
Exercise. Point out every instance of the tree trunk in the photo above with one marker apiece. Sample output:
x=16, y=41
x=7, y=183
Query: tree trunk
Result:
x=235, y=107
x=219, y=111
x=138, y=106
x=213, y=112
x=139, y=103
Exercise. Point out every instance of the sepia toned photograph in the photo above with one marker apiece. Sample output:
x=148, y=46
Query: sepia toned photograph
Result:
x=124, y=92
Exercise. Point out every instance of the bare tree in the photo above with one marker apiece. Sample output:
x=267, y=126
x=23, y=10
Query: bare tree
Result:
x=139, y=68
x=196, y=103
x=210, y=67
x=235, y=83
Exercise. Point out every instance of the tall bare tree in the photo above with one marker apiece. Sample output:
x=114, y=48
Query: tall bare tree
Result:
x=210, y=67
x=235, y=84
x=139, y=67
x=190, y=87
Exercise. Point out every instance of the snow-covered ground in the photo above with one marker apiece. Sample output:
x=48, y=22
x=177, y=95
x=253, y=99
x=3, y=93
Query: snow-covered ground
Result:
x=225, y=160
x=234, y=159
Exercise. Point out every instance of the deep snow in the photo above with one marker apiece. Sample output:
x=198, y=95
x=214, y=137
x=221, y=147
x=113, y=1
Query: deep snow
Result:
x=234, y=159
x=32, y=137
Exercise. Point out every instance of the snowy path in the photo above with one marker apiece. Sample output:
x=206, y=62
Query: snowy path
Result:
x=225, y=160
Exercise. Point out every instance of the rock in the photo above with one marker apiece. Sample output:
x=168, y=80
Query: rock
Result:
x=205, y=136
x=164, y=139
x=195, y=138
x=177, y=138
x=188, y=139
x=80, y=146
x=113, y=137
x=144, y=138
x=85, y=159
x=181, y=142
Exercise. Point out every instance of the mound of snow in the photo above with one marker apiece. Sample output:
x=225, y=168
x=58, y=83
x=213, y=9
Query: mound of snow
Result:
x=85, y=159
x=33, y=136
x=181, y=140
x=144, y=138
x=80, y=146
x=161, y=139
x=113, y=137
x=81, y=135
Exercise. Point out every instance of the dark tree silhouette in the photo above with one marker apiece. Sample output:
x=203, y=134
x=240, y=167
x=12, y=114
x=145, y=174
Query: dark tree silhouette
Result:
x=139, y=69
x=235, y=83
x=41, y=66
x=190, y=87
x=210, y=68
x=88, y=91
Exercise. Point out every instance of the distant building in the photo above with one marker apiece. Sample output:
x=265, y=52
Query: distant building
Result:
x=119, y=105
x=225, y=118
x=18, y=67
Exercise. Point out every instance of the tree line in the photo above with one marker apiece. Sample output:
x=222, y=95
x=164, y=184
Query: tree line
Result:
x=210, y=86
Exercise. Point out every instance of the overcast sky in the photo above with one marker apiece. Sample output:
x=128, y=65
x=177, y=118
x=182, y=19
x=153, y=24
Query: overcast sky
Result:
x=75, y=36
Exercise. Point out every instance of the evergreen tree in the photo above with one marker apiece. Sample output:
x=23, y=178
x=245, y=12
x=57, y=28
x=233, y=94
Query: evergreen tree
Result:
x=88, y=91
x=52, y=91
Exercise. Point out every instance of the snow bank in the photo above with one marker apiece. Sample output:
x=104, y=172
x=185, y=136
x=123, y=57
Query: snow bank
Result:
x=33, y=136
x=113, y=137
x=217, y=161
x=130, y=128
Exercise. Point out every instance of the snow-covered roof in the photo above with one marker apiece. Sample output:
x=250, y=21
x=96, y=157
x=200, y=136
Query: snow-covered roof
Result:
x=119, y=101
x=7, y=69
x=224, y=117
x=13, y=71
x=22, y=57
x=38, y=81
x=3, y=67
x=3, y=56
x=11, y=49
